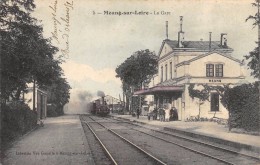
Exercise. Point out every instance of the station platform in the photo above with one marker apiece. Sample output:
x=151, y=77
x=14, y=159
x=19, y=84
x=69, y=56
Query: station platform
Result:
x=210, y=131
x=60, y=141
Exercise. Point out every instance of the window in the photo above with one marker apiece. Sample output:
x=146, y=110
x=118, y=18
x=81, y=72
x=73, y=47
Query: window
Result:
x=219, y=70
x=166, y=72
x=210, y=70
x=162, y=74
x=171, y=69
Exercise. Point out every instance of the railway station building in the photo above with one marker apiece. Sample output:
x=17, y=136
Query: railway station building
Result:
x=182, y=63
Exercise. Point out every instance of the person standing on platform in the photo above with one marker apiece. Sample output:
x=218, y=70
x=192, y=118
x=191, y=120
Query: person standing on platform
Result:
x=137, y=113
x=171, y=114
x=161, y=114
x=155, y=114
x=175, y=114
x=167, y=114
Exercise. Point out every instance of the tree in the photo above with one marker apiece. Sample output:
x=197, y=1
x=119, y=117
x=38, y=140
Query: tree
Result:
x=202, y=95
x=254, y=56
x=202, y=92
x=12, y=14
x=26, y=56
x=31, y=58
x=136, y=70
x=15, y=12
x=58, y=94
x=243, y=106
x=253, y=59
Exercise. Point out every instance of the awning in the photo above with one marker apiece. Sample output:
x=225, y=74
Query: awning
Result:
x=159, y=89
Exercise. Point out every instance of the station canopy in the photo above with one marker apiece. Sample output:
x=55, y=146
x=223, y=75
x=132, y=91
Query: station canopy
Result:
x=160, y=89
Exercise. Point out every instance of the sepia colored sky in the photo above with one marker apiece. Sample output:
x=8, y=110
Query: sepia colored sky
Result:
x=98, y=43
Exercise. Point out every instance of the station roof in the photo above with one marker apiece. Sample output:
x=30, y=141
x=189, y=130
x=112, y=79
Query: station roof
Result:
x=195, y=46
x=201, y=45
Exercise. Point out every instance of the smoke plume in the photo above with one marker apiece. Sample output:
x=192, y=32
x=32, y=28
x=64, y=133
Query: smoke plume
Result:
x=85, y=96
x=100, y=93
x=80, y=102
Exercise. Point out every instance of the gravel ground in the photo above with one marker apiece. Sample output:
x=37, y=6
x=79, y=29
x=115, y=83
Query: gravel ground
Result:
x=98, y=154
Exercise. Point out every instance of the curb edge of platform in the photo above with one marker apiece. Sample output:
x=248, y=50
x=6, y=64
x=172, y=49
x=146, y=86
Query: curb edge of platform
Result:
x=215, y=140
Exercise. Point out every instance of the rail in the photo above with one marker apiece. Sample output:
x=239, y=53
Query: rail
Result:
x=103, y=146
x=121, y=137
x=192, y=140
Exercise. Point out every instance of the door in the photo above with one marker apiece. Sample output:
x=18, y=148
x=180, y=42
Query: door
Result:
x=214, y=102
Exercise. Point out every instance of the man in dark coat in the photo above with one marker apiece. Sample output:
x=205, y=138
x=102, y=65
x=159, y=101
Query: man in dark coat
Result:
x=155, y=114
x=175, y=114
x=171, y=114
x=137, y=113
x=161, y=114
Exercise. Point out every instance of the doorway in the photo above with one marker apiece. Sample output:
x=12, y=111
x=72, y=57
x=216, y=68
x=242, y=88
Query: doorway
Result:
x=214, y=103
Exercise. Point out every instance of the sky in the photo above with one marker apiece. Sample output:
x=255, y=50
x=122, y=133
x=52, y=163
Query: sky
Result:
x=94, y=41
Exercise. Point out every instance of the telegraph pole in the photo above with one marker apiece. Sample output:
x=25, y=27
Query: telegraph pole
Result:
x=34, y=108
x=258, y=23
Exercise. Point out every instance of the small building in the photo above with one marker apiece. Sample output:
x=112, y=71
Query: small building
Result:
x=39, y=103
x=115, y=105
x=182, y=63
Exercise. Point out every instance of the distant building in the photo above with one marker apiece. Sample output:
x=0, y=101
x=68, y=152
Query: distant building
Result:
x=115, y=105
x=199, y=62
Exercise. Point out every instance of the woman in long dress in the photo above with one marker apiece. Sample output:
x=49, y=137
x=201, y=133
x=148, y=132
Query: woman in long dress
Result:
x=167, y=114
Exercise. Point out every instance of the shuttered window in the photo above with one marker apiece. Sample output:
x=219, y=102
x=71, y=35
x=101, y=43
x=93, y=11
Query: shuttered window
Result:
x=219, y=70
x=210, y=70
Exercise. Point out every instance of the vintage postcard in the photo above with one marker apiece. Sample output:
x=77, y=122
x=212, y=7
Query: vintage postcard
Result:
x=130, y=82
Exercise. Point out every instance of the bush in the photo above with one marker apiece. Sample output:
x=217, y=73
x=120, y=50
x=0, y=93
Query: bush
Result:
x=59, y=110
x=16, y=119
x=250, y=113
x=243, y=105
x=53, y=110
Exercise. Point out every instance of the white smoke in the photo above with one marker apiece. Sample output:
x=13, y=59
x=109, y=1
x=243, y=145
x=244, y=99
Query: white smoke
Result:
x=79, y=103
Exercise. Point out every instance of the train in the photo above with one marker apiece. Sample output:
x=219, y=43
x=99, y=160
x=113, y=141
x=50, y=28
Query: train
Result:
x=100, y=107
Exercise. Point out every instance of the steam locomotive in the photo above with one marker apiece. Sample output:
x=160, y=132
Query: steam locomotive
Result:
x=100, y=107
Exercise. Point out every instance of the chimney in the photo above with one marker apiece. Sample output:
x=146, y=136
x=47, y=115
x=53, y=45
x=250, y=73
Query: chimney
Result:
x=181, y=34
x=210, y=41
x=223, y=40
x=167, y=30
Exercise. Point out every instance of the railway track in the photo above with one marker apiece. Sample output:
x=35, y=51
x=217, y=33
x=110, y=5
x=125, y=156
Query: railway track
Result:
x=220, y=155
x=138, y=154
x=256, y=158
x=253, y=159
